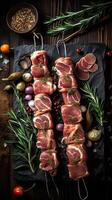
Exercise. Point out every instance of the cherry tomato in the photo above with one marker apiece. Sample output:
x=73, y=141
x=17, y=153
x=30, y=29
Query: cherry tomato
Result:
x=109, y=53
x=18, y=191
x=5, y=48
x=78, y=50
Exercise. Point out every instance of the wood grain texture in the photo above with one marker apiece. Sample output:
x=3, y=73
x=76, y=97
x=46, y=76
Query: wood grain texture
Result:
x=101, y=34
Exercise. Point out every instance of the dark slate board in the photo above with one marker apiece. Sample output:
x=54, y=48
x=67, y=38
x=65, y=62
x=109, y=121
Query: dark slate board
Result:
x=97, y=80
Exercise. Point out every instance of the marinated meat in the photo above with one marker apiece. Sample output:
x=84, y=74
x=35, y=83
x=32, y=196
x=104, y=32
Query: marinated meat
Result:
x=43, y=121
x=39, y=58
x=82, y=75
x=39, y=71
x=44, y=85
x=48, y=161
x=65, y=82
x=73, y=134
x=76, y=154
x=42, y=104
x=82, y=65
x=94, y=68
x=85, y=65
x=64, y=66
x=90, y=58
x=77, y=171
x=72, y=96
x=71, y=114
x=45, y=139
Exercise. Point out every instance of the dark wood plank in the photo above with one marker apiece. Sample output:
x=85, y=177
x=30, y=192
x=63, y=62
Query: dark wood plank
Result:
x=46, y=8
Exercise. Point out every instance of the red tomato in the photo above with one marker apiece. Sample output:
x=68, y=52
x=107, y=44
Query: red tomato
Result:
x=109, y=53
x=18, y=191
x=78, y=50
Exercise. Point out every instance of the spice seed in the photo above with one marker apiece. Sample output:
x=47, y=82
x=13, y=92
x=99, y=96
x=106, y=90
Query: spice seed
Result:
x=23, y=20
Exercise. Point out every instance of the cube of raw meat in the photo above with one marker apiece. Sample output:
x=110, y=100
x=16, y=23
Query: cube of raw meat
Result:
x=71, y=114
x=45, y=139
x=76, y=153
x=48, y=161
x=42, y=104
x=66, y=82
x=39, y=57
x=73, y=133
x=44, y=85
x=39, y=71
x=77, y=171
x=72, y=96
x=64, y=66
x=43, y=121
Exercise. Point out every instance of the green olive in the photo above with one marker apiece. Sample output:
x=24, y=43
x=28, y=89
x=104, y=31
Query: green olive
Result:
x=94, y=135
x=20, y=86
x=27, y=77
x=7, y=87
x=12, y=77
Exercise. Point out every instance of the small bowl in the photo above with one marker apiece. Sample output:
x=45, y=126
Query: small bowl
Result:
x=13, y=11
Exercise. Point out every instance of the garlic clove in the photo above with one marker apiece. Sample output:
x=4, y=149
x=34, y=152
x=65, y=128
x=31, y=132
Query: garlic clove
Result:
x=25, y=62
x=94, y=135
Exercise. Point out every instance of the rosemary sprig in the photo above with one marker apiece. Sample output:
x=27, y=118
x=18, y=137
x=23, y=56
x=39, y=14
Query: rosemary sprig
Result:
x=82, y=24
x=22, y=111
x=21, y=126
x=95, y=104
x=69, y=15
x=90, y=15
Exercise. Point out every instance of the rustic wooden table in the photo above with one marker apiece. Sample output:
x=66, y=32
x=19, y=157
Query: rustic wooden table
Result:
x=102, y=34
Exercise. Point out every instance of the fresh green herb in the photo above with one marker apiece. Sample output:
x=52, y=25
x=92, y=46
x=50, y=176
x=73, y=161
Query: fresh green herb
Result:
x=95, y=104
x=70, y=91
x=82, y=20
x=67, y=78
x=21, y=126
x=82, y=24
x=44, y=79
